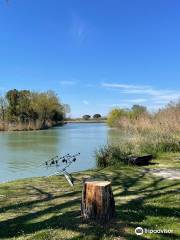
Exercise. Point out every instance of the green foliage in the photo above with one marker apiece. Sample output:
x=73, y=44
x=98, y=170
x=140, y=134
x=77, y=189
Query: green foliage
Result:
x=97, y=115
x=12, y=98
x=110, y=155
x=86, y=117
x=115, y=115
x=19, y=102
x=47, y=106
x=25, y=106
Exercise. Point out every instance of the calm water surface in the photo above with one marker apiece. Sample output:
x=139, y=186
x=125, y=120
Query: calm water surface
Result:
x=21, y=153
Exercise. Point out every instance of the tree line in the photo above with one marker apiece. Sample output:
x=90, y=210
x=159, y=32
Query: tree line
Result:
x=24, y=106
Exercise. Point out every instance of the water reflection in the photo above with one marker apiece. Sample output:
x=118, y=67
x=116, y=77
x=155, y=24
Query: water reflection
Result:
x=23, y=152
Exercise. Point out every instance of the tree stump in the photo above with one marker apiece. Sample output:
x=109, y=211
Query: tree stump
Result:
x=97, y=201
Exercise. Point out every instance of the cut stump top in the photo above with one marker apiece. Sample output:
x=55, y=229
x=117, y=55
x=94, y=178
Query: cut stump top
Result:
x=98, y=183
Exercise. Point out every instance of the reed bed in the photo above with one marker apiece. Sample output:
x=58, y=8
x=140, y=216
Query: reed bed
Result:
x=148, y=134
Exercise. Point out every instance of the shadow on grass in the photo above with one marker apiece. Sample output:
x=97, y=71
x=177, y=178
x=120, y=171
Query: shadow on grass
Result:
x=60, y=212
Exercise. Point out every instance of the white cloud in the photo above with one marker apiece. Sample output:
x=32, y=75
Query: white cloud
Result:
x=162, y=96
x=124, y=86
x=85, y=102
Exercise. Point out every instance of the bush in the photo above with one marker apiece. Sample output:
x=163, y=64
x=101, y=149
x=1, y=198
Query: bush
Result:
x=114, y=116
x=110, y=155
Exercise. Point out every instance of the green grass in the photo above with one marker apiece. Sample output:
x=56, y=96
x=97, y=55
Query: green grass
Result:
x=48, y=209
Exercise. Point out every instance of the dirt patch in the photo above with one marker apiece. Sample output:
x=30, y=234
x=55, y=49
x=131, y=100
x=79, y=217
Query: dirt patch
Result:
x=166, y=173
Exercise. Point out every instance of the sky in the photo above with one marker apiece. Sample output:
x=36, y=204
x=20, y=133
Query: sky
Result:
x=96, y=55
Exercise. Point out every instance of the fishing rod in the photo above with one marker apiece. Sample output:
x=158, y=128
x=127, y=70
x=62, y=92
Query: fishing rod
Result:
x=54, y=160
x=64, y=161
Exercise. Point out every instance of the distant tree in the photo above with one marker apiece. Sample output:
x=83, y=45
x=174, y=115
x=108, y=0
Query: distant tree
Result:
x=86, y=117
x=97, y=115
x=137, y=110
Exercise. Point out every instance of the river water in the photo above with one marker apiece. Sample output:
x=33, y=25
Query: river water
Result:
x=22, y=153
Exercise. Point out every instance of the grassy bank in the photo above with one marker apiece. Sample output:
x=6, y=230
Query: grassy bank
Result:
x=47, y=208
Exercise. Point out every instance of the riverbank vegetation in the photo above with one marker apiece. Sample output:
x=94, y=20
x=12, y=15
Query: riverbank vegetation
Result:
x=49, y=209
x=142, y=133
x=27, y=110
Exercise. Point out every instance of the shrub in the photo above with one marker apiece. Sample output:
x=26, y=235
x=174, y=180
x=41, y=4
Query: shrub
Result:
x=111, y=155
x=115, y=115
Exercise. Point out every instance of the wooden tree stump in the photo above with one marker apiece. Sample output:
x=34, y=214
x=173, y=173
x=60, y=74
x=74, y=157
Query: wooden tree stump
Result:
x=97, y=201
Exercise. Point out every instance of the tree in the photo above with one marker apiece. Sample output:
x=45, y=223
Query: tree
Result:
x=12, y=98
x=24, y=105
x=137, y=110
x=86, y=117
x=3, y=108
x=47, y=106
x=97, y=115
x=19, y=105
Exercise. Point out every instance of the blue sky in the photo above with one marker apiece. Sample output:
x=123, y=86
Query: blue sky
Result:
x=96, y=55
